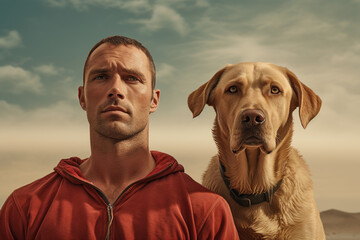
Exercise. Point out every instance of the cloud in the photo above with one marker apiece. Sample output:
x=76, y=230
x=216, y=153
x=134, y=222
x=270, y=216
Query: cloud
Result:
x=164, y=71
x=48, y=69
x=301, y=25
x=202, y=3
x=228, y=47
x=56, y=114
x=84, y=4
x=136, y=6
x=9, y=110
x=11, y=40
x=163, y=17
x=19, y=80
x=56, y=3
x=80, y=5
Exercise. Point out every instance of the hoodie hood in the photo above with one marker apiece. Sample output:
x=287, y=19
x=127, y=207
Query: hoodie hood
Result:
x=165, y=165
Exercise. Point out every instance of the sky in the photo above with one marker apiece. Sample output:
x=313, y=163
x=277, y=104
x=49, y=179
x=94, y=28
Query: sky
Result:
x=44, y=43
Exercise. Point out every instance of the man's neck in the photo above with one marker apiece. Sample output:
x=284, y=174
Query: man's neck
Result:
x=113, y=165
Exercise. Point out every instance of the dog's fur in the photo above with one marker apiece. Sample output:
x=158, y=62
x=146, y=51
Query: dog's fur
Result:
x=257, y=156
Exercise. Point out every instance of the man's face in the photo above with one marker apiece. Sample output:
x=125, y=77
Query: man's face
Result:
x=117, y=93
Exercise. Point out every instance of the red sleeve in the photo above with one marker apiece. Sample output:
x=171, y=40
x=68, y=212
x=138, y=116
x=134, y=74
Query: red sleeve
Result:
x=219, y=223
x=11, y=221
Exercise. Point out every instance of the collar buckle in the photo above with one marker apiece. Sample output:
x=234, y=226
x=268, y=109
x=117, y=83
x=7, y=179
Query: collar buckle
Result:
x=240, y=199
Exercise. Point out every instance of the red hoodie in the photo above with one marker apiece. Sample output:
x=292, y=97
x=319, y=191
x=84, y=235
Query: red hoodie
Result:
x=166, y=204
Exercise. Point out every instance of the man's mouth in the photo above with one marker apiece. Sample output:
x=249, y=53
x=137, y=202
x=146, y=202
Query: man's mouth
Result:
x=114, y=108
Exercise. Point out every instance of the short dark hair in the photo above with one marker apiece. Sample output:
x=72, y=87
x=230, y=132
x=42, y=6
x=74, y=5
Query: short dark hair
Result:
x=121, y=40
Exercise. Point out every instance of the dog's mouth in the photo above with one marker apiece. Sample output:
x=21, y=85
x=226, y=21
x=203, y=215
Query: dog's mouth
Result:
x=251, y=142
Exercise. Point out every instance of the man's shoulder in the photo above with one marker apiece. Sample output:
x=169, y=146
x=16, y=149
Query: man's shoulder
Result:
x=33, y=189
x=198, y=193
x=206, y=204
x=47, y=182
x=33, y=195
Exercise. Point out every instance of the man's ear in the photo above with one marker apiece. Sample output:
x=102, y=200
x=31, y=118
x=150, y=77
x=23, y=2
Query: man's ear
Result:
x=308, y=102
x=155, y=100
x=81, y=96
x=198, y=98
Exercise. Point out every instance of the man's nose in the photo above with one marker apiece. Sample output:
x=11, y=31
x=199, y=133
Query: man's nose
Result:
x=117, y=88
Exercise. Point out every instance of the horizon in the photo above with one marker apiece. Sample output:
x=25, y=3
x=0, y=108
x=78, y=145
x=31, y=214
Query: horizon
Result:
x=44, y=44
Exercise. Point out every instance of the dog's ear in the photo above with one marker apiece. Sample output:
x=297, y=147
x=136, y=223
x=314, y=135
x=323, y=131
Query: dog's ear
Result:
x=198, y=98
x=308, y=102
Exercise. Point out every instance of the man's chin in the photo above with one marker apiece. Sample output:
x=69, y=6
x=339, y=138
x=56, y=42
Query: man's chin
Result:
x=119, y=131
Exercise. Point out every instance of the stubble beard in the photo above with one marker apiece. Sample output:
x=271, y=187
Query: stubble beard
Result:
x=116, y=127
x=115, y=131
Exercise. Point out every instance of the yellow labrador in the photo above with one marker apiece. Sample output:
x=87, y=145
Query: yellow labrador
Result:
x=265, y=181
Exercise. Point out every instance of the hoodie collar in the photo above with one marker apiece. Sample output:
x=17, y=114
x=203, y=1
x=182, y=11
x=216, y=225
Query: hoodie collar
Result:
x=165, y=165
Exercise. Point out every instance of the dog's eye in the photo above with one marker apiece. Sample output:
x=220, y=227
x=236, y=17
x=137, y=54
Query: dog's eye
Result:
x=275, y=90
x=232, y=89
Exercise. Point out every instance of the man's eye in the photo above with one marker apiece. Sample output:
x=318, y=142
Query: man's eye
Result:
x=99, y=77
x=133, y=79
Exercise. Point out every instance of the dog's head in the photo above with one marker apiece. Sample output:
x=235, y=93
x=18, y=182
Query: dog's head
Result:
x=253, y=101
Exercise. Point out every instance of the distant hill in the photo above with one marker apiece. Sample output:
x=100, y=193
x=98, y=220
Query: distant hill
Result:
x=340, y=225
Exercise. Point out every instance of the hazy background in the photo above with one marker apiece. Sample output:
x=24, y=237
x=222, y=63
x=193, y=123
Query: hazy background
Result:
x=44, y=43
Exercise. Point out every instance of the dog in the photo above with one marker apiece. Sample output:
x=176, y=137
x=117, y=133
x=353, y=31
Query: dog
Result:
x=265, y=181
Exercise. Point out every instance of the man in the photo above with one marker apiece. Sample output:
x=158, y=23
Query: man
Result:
x=122, y=191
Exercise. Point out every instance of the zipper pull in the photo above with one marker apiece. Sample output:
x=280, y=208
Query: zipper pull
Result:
x=110, y=214
x=109, y=208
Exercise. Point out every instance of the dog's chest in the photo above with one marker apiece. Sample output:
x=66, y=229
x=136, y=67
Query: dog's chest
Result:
x=249, y=234
x=258, y=222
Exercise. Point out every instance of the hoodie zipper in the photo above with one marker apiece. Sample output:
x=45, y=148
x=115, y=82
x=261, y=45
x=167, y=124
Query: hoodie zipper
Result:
x=110, y=213
x=110, y=210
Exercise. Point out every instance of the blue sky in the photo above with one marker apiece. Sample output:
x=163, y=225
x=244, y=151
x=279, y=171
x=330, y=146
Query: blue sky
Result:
x=44, y=43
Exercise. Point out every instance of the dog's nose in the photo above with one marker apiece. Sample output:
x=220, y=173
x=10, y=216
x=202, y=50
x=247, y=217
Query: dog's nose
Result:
x=252, y=117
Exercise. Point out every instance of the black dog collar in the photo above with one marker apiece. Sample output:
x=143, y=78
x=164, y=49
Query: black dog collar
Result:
x=247, y=200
